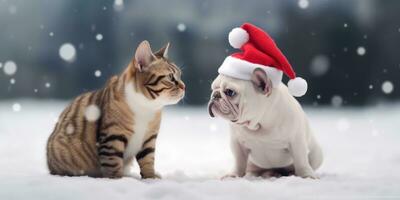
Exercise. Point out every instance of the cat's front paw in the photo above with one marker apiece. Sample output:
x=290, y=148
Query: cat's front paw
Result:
x=151, y=176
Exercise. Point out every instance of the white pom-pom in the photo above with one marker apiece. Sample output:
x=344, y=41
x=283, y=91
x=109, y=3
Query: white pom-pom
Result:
x=297, y=86
x=238, y=37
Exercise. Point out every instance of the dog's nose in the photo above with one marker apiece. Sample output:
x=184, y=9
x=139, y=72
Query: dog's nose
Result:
x=216, y=95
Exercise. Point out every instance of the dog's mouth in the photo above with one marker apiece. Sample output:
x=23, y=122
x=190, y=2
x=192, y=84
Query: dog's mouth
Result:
x=223, y=109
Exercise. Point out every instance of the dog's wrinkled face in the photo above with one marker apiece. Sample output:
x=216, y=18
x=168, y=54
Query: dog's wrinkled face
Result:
x=240, y=101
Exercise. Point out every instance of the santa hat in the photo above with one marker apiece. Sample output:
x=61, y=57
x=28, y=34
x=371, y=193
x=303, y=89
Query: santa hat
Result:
x=259, y=51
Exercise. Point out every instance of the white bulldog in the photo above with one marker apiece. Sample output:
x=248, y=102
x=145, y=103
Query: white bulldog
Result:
x=269, y=130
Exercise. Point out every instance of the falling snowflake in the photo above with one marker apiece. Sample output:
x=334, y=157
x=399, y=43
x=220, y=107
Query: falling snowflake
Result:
x=67, y=52
x=16, y=107
x=337, y=101
x=35, y=90
x=12, y=81
x=1, y=65
x=70, y=129
x=51, y=34
x=99, y=37
x=92, y=113
x=213, y=127
x=97, y=73
x=303, y=4
x=345, y=25
x=10, y=68
x=12, y=9
x=181, y=27
x=387, y=87
x=319, y=65
x=318, y=96
x=370, y=87
x=342, y=125
x=118, y=5
x=47, y=85
x=361, y=51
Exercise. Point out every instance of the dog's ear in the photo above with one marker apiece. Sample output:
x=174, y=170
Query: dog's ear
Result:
x=143, y=55
x=261, y=82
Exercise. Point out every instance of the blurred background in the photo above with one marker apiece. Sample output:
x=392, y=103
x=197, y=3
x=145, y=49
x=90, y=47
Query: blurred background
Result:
x=348, y=50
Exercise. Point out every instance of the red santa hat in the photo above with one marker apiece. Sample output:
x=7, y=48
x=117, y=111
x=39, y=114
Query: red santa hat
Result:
x=259, y=51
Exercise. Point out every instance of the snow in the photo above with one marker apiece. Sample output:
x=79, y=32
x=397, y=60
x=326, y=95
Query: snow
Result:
x=92, y=113
x=345, y=25
x=118, y=5
x=361, y=162
x=181, y=27
x=370, y=87
x=67, y=52
x=51, y=34
x=97, y=73
x=303, y=4
x=387, y=87
x=337, y=101
x=361, y=51
x=16, y=107
x=319, y=65
x=12, y=81
x=99, y=37
x=47, y=85
x=10, y=68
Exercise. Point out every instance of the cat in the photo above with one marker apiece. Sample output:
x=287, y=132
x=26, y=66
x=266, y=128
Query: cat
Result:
x=101, y=132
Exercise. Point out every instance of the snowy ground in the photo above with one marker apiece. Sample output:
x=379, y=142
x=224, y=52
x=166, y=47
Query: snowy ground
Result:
x=362, y=159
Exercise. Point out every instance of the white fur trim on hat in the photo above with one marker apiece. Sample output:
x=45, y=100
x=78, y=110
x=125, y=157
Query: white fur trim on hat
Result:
x=238, y=37
x=241, y=69
x=297, y=86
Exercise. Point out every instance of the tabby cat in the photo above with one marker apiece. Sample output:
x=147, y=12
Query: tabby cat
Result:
x=101, y=132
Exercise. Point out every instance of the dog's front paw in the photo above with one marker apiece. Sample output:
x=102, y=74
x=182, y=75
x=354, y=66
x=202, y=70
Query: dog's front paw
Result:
x=230, y=175
x=307, y=173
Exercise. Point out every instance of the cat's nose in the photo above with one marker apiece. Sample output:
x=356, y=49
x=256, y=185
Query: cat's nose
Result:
x=181, y=85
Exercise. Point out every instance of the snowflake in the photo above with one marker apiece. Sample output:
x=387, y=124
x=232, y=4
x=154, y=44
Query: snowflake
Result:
x=47, y=85
x=70, y=129
x=16, y=107
x=213, y=127
x=370, y=87
x=387, y=87
x=303, y=4
x=12, y=81
x=99, y=37
x=319, y=65
x=337, y=101
x=51, y=34
x=67, y=52
x=345, y=25
x=97, y=73
x=181, y=27
x=361, y=51
x=92, y=113
x=118, y=5
x=10, y=68
x=342, y=125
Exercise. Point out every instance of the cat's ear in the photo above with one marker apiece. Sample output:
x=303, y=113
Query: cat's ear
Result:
x=163, y=52
x=143, y=55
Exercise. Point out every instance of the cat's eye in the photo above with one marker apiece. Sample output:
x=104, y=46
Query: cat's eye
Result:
x=171, y=77
x=229, y=93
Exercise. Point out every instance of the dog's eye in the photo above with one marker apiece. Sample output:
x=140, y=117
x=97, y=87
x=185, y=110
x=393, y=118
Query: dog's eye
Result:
x=230, y=93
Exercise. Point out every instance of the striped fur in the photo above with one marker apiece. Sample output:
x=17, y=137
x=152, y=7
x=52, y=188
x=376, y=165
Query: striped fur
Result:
x=126, y=128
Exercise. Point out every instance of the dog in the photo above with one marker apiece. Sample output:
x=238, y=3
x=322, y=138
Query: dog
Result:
x=270, y=132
